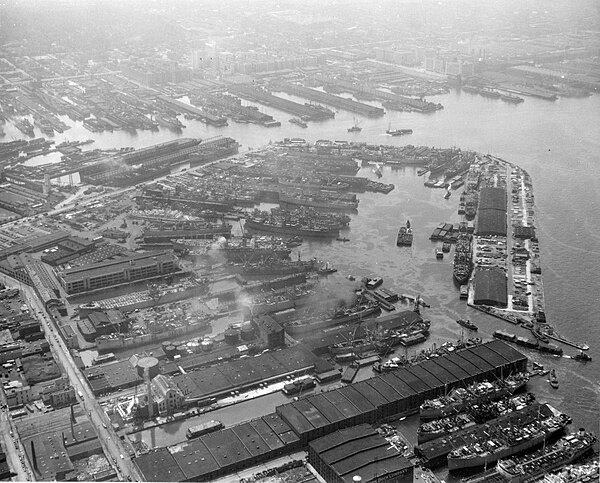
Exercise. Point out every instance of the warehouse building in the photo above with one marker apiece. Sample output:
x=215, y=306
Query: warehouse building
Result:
x=359, y=451
x=491, y=212
x=116, y=272
x=298, y=423
x=491, y=286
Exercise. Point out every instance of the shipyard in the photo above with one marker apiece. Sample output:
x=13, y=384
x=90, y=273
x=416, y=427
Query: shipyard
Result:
x=278, y=243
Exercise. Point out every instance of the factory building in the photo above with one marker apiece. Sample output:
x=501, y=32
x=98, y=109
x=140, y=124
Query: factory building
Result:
x=299, y=423
x=359, y=451
x=116, y=272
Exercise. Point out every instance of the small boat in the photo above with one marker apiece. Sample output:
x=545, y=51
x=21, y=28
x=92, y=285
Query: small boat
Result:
x=447, y=194
x=582, y=357
x=446, y=247
x=377, y=171
x=552, y=379
x=326, y=269
x=439, y=254
x=343, y=239
x=372, y=283
x=467, y=324
x=355, y=128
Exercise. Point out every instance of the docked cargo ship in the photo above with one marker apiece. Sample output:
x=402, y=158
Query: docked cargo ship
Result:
x=380, y=341
x=24, y=126
x=303, y=222
x=511, y=98
x=564, y=451
x=476, y=414
x=341, y=316
x=170, y=122
x=204, y=428
x=405, y=235
x=280, y=267
x=460, y=398
x=512, y=440
x=298, y=122
x=255, y=247
x=318, y=200
x=463, y=264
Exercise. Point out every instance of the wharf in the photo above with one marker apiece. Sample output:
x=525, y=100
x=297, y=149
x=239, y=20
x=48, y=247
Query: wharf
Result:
x=256, y=95
x=414, y=104
x=331, y=100
x=188, y=109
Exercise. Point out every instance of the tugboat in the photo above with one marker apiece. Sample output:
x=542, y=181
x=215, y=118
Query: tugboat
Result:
x=552, y=379
x=467, y=324
x=405, y=235
x=439, y=254
x=582, y=357
x=326, y=269
x=355, y=128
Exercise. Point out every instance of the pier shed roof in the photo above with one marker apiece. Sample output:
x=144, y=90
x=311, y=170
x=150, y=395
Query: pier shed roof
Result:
x=225, y=447
x=444, y=375
x=405, y=375
x=490, y=287
x=266, y=433
x=251, y=439
x=194, y=459
x=311, y=413
x=326, y=408
x=426, y=377
x=491, y=223
x=460, y=364
x=392, y=387
x=492, y=199
x=508, y=352
x=159, y=465
x=298, y=423
x=345, y=404
x=490, y=356
x=363, y=396
x=477, y=361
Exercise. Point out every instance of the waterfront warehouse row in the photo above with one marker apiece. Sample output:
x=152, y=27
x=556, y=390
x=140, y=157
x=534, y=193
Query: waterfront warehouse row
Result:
x=299, y=422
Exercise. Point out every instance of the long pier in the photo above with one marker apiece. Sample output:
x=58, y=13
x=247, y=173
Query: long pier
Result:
x=306, y=112
x=331, y=100
x=415, y=104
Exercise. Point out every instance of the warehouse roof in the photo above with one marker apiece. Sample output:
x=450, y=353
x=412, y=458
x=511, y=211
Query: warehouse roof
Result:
x=490, y=223
x=490, y=288
x=193, y=459
x=344, y=405
x=492, y=199
x=363, y=396
x=359, y=451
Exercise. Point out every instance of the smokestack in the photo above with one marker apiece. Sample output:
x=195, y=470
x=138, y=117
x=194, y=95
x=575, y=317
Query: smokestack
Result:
x=73, y=420
x=33, y=456
x=149, y=391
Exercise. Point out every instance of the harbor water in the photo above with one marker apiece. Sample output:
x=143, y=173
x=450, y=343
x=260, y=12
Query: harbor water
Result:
x=558, y=143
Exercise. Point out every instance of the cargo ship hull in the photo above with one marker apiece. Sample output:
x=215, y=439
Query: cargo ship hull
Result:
x=291, y=229
x=505, y=451
x=301, y=328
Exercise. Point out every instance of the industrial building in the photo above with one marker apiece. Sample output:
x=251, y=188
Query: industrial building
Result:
x=491, y=285
x=359, y=451
x=115, y=272
x=298, y=423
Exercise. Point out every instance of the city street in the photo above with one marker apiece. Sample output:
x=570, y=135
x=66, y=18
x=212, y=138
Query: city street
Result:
x=113, y=447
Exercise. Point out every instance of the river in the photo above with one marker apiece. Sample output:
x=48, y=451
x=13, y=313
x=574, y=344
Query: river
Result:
x=558, y=143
